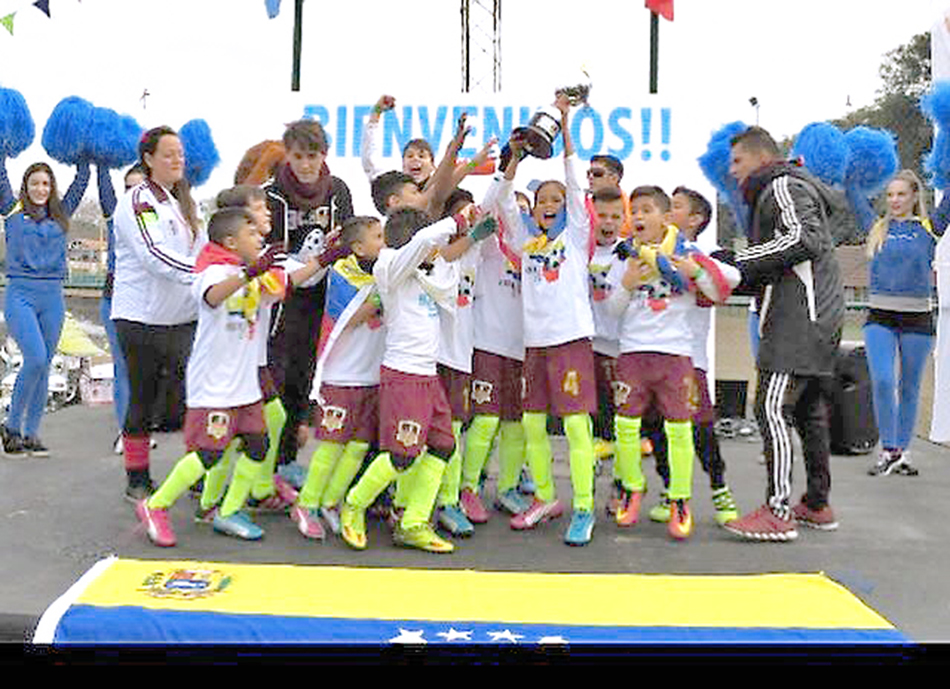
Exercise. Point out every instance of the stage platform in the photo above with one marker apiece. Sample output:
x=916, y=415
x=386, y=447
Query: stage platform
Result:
x=73, y=550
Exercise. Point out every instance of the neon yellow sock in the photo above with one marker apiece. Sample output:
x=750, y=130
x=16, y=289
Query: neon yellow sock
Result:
x=424, y=489
x=322, y=462
x=511, y=453
x=538, y=451
x=344, y=473
x=275, y=416
x=680, y=440
x=216, y=480
x=478, y=441
x=628, y=454
x=245, y=471
x=405, y=483
x=182, y=477
x=580, y=441
x=374, y=480
x=452, y=476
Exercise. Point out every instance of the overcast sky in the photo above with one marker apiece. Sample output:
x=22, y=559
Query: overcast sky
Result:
x=228, y=63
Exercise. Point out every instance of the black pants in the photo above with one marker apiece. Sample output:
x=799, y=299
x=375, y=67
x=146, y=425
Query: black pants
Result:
x=292, y=360
x=148, y=350
x=784, y=401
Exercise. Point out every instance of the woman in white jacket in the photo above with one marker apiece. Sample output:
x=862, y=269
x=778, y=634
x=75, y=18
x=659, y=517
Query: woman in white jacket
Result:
x=157, y=237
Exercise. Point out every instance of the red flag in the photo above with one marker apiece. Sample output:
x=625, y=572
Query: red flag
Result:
x=661, y=7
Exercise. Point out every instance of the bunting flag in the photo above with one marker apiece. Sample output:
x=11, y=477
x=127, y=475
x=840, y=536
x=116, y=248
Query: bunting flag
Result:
x=42, y=5
x=664, y=8
x=8, y=22
x=145, y=602
x=273, y=8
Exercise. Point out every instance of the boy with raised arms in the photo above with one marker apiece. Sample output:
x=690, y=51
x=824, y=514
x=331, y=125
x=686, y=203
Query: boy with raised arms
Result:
x=555, y=247
x=415, y=425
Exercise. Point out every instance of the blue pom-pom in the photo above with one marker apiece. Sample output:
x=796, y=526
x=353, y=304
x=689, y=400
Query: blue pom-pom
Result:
x=66, y=130
x=716, y=160
x=16, y=124
x=823, y=151
x=937, y=162
x=201, y=156
x=113, y=139
x=936, y=104
x=872, y=159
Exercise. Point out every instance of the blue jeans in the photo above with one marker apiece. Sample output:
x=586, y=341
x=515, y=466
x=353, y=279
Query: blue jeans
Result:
x=896, y=393
x=34, y=312
x=120, y=374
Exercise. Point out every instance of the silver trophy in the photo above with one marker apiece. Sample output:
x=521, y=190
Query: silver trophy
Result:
x=542, y=130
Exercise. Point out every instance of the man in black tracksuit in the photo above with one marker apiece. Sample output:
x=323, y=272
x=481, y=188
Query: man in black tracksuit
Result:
x=791, y=269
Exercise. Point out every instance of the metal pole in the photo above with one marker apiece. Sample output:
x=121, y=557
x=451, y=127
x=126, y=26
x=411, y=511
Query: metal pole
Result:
x=298, y=33
x=466, y=54
x=654, y=50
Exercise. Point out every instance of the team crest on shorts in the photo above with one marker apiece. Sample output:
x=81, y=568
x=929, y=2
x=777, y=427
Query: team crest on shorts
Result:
x=621, y=392
x=218, y=422
x=408, y=432
x=333, y=418
x=481, y=391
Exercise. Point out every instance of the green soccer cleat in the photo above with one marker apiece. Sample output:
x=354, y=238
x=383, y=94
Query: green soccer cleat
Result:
x=660, y=512
x=423, y=537
x=725, y=506
x=353, y=526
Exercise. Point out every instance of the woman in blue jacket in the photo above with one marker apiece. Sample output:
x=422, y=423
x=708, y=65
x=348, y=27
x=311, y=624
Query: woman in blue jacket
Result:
x=35, y=228
x=899, y=332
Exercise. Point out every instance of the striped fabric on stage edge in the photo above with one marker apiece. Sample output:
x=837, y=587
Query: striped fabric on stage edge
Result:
x=144, y=602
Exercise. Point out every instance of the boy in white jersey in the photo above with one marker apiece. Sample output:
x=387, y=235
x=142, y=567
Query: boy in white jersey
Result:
x=691, y=212
x=345, y=394
x=224, y=396
x=608, y=215
x=558, y=374
x=653, y=299
x=415, y=420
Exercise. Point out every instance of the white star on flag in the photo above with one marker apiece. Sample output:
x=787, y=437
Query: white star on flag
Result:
x=506, y=635
x=407, y=636
x=455, y=635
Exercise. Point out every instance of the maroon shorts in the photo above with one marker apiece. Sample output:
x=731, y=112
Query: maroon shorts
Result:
x=665, y=380
x=413, y=412
x=496, y=386
x=268, y=389
x=348, y=413
x=560, y=378
x=456, y=385
x=213, y=429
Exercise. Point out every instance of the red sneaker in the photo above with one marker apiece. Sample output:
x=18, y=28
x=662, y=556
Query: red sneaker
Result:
x=472, y=506
x=308, y=522
x=538, y=513
x=628, y=509
x=823, y=519
x=763, y=525
x=680, y=525
x=156, y=524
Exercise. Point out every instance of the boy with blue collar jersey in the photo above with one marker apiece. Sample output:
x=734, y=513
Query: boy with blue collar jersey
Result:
x=653, y=300
x=558, y=329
